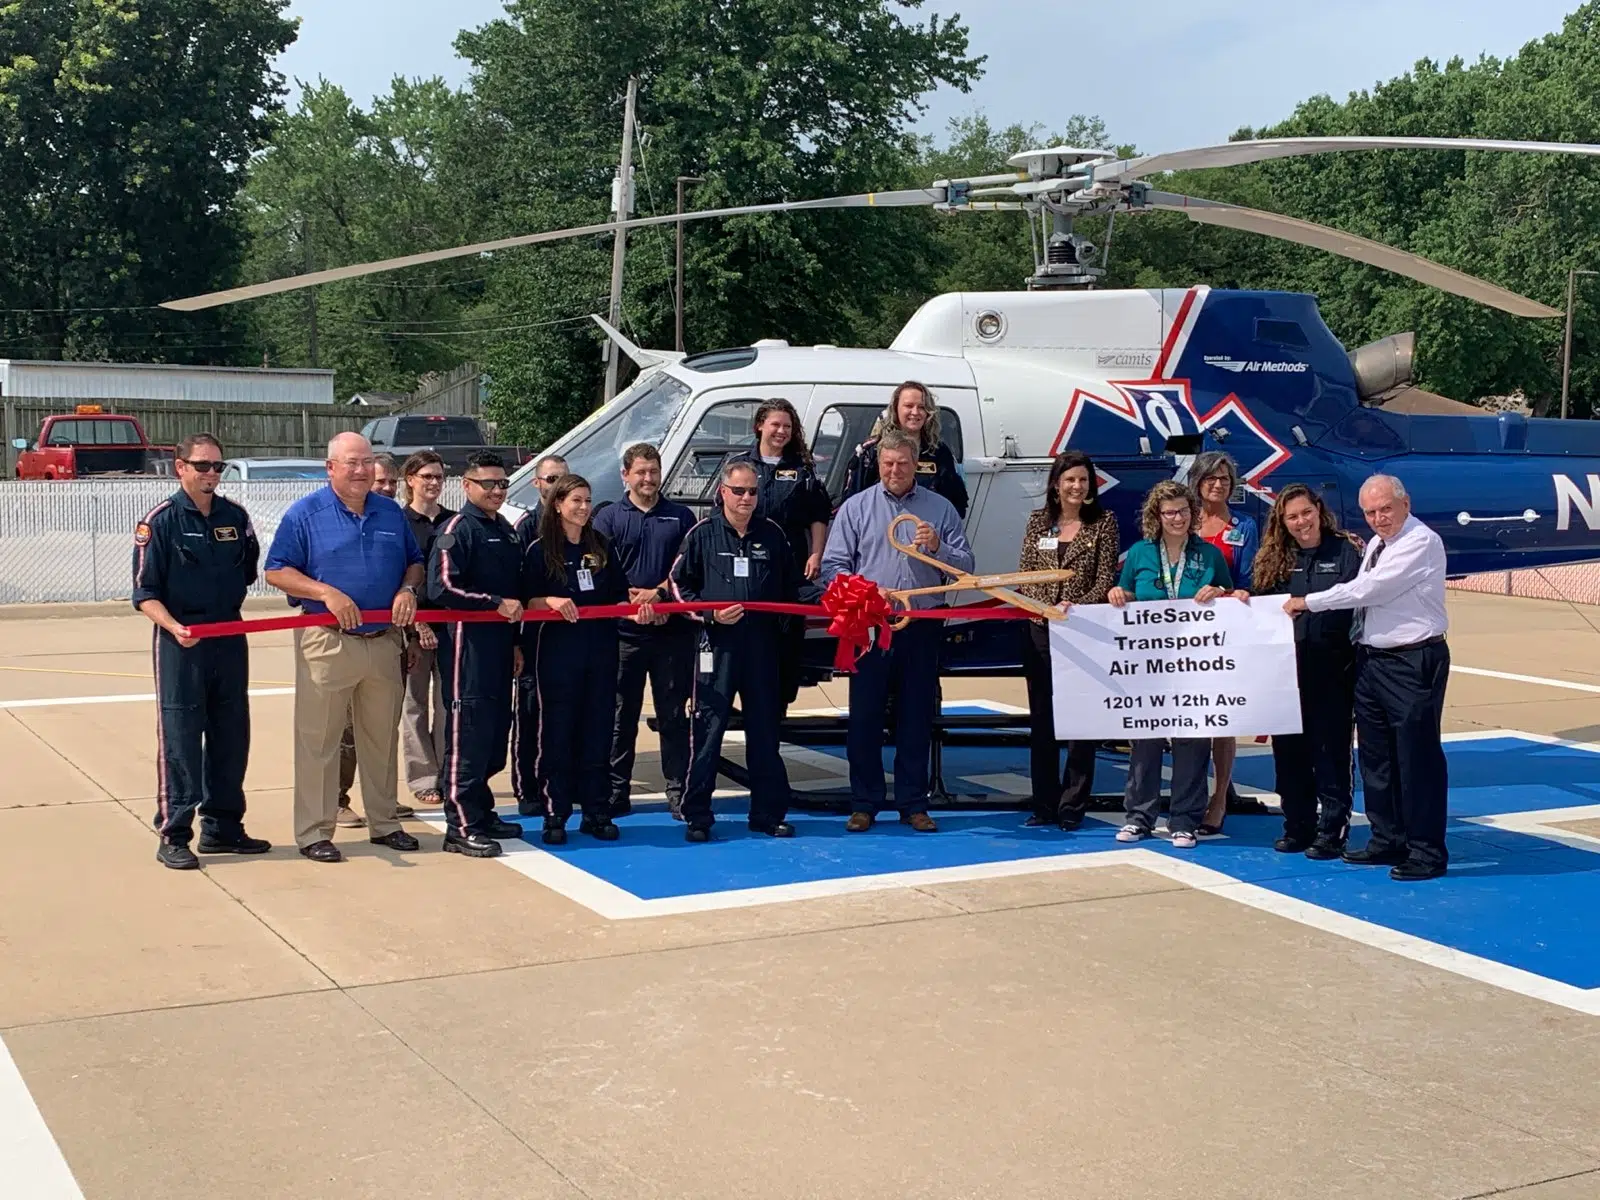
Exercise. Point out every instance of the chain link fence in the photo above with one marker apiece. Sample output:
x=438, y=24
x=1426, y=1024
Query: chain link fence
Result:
x=72, y=540
x=1578, y=584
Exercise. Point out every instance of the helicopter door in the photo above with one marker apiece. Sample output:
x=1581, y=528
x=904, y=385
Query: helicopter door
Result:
x=849, y=416
x=722, y=429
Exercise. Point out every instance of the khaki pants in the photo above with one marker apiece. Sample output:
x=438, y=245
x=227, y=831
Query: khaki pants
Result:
x=422, y=724
x=338, y=677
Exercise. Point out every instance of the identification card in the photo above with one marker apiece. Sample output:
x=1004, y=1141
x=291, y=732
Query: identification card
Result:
x=741, y=567
x=585, y=579
x=705, y=662
x=1233, y=537
x=1049, y=543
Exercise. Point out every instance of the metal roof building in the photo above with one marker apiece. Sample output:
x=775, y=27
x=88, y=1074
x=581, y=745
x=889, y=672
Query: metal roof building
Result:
x=162, y=382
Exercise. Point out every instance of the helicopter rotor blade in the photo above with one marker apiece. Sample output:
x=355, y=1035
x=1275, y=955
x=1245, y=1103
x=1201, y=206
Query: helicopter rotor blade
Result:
x=1233, y=154
x=1348, y=245
x=900, y=199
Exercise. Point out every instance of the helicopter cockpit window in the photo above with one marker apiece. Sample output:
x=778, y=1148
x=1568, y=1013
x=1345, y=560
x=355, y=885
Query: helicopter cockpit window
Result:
x=843, y=427
x=723, y=430
x=597, y=455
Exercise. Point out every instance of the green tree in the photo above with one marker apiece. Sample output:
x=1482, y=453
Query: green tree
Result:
x=337, y=186
x=764, y=99
x=124, y=128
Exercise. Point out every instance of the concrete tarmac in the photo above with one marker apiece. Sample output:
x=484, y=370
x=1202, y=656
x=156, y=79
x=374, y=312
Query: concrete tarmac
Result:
x=431, y=1026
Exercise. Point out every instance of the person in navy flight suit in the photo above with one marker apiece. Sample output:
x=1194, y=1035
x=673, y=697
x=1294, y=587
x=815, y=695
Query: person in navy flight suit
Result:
x=475, y=565
x=573, y=662
x=907, y=673
x=547, y=472
x=1305, y=551
x=733, y=558
x=793, y=497
x=194, y=557
x=911, y=410
x=1402, y=669
x=645, y=531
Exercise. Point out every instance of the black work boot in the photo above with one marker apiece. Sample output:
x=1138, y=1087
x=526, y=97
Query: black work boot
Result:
x=177, y=856
x=473, y=845
x=504, y=829
x=243, y=844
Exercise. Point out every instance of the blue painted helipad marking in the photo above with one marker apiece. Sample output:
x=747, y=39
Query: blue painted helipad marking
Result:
x=1517, y=908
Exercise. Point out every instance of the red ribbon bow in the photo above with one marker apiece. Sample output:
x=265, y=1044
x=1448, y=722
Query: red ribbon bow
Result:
x=855, y=607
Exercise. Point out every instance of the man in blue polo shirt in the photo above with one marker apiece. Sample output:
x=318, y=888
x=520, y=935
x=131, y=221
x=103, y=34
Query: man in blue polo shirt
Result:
x=646, y=531
x=343, y=550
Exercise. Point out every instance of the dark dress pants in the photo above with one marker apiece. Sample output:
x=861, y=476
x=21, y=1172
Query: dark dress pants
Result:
x=908, y=671
x=1399, y=703
x=1056, y=796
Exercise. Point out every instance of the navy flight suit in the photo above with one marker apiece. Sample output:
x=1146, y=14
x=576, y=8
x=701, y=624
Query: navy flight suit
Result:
x=200, y=567
x=793, y=497
x=1313, y=766
x=524, y=716
x=474, y=563
x=574, y=670
x=743, y=660
x=936, y=471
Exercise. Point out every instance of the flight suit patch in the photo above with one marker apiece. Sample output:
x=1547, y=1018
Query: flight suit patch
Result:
x=141, y=534
x=927, y=468
x=786, y=475
x=226, y=533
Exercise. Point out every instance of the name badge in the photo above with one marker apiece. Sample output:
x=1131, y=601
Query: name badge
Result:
x=927, y=468
x=741, y=567
x=705, y=662
x=226, y=533
x=1049, y=543
x=786, y=474
x=1326, y=568
x=585, y=579
x=1233, y=537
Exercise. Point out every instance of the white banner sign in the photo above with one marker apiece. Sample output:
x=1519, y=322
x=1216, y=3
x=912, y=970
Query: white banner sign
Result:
x=1175, y=668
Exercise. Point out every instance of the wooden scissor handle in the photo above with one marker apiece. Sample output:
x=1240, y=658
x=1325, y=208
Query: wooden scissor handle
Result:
x=911, y=551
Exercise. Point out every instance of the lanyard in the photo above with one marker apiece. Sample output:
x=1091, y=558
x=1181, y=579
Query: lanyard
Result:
x=1171, y=573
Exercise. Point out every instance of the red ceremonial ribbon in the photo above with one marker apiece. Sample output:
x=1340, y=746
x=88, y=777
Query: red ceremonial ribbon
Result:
x=853, y=606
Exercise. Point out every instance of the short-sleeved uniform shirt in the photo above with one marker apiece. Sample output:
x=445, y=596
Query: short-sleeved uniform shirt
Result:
x=365, y=556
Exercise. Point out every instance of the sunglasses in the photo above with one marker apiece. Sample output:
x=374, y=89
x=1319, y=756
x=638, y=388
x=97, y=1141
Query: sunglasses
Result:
x=550, y=478
x=493, y=485
x=741, y=491
x=205, y=466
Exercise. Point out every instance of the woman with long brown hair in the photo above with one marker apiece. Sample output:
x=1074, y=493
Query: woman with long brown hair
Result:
x=1305, y=551
x=573, y=662
x=1074, y=532
x=913, y=410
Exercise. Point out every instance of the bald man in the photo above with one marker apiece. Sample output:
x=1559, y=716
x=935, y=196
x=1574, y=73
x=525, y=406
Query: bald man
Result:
x=343, y=550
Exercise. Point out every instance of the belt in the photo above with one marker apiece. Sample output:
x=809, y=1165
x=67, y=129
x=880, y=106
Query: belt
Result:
x=1436, y=640
x=356, y=633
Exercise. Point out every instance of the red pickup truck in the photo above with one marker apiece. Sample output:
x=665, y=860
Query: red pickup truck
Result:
x=90, y=442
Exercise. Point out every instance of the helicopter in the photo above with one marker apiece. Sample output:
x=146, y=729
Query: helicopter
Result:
x=1142, y=380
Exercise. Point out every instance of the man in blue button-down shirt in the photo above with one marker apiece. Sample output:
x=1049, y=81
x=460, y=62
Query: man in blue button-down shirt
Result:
x=342, y=550
x=858, y=544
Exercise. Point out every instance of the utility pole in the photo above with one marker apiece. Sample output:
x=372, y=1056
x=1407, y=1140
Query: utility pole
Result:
x=623, y=194
x=1566, y=346
x=311, y=293
x=678, y=291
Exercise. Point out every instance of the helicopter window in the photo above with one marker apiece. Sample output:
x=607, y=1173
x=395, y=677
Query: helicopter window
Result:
x=721, y=360
x=1282, y=333
x=723, y=430
x=597, y=455
x=843, y=427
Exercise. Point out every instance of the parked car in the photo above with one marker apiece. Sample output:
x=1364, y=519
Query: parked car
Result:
x=274, y=468
x=90, y=442
x=453, y=439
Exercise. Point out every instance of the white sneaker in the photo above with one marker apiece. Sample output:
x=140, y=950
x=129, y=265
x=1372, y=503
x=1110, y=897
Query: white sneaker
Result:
x=1183, y=841
x=1132, y=833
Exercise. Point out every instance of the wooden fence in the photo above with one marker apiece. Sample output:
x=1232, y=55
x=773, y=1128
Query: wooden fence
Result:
x=254, y=430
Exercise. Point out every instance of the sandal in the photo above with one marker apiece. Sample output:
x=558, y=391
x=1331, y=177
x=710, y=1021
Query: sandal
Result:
x=432, y=798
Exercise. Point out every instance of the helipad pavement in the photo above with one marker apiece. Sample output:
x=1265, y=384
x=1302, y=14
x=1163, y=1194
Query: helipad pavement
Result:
x=992, y=1011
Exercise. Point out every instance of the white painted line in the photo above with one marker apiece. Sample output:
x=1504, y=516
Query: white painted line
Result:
x=1006, y=782
x=1566, y=684
x=30, y=1161
x=128, y=698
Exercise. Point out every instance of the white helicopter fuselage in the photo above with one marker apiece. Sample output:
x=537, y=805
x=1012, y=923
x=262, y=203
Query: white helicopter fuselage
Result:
x=1007, y=370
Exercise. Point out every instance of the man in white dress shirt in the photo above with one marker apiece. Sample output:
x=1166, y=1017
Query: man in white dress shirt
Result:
x=1403, y=664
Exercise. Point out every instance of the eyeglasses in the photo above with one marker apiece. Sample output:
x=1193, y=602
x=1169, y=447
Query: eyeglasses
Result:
x=493, y=485
x=429, y=476
x=205, y=466
x=740, y=491
x=1175, y=514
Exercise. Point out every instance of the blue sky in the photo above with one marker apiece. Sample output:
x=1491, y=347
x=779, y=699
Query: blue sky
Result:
x=1164, y=74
